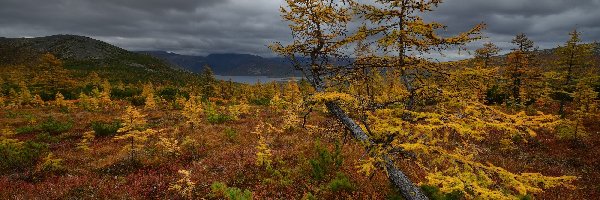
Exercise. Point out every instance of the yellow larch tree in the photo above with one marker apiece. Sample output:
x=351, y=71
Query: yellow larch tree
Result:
x=428, y=119
x=87, y=138
x=134, y=131
x=263, y=152
x=192, y=111
x=104, y=98
x=148, y=94
x=24, y=96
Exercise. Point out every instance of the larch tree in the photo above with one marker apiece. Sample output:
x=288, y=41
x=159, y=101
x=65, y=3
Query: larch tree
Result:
x=573, y=58
x=207, y=83
x=427, y=119
x=52, y=75
x=134, y=131
x=520, y=65
x=486, y=53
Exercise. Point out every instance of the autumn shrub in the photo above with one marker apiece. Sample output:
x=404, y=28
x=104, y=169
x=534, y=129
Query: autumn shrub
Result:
x=191, y=148
x=121, y=167
x=184, y=186
x=106, y=129
x=325, y=161
x=220, y=190
x=341, y=183
x=51, y=166
x=17, y=156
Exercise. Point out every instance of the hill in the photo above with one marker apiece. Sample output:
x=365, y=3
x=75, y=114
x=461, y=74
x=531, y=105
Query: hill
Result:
x=83, y=55
x=230, y=64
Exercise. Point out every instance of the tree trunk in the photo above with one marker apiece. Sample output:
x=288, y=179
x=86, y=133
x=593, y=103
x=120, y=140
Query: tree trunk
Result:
x=408, y=190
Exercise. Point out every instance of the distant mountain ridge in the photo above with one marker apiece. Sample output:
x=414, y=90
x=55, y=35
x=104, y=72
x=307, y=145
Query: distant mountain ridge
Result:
x=83, y=55
x=231, y=64
x=69, y=47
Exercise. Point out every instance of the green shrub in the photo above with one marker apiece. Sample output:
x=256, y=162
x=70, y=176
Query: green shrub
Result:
x=341, y=183
x=17, y=156
x=46, y=138
x=568, y=130
x=325, y=161
x=26, y=129
x=231, y=134
x=168, y=93
x=103, y=129
x=218, y=118
x=124, y=93
x=54, y=126
x=138, y=100
x=434, y=193
x=221, y=190
x=215, y=117
x=309, y=196
x=51, y=126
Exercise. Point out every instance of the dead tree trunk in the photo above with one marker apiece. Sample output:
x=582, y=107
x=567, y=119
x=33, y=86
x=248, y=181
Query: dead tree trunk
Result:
x=408, y=190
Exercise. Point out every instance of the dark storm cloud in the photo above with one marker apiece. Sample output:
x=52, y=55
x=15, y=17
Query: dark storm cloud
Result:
x=546, y=22
x=248, y=26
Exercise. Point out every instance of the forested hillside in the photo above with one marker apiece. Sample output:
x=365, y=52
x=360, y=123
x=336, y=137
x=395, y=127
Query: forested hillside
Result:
x=82, y=119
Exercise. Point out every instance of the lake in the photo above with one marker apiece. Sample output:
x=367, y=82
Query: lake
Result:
x=253, y=79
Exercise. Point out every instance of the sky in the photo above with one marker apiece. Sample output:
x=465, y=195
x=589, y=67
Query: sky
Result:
x=200, y=27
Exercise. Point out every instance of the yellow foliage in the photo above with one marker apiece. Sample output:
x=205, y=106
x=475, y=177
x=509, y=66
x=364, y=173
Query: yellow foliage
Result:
x=169, y=145
x=367, y=167
x=193, y=111
x=25, y=96
x=60, y=102
x=37, y=101
x=134, y=131
x=291, y=119
x=150, y=102
x=87, y=139
x=239, y=109
x=184, y=186
x=88, y=103
x=263, y=154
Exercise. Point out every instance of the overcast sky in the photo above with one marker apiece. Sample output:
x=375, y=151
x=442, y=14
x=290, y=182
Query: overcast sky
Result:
x=200, y=27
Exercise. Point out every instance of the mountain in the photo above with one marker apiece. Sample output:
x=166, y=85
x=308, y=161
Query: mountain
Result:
x=83, y=55
x=69, y=47
x=230, y=64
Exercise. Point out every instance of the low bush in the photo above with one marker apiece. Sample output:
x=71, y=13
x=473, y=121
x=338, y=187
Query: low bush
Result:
x=17, y=156
x=341, y=183
x=434, y=193
x=231, y=134
x=325, y=161
x=106, y=129
x=138, y=101
x=220, y=190
x=261, y=102
x=51, y=126
x=54, y=126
